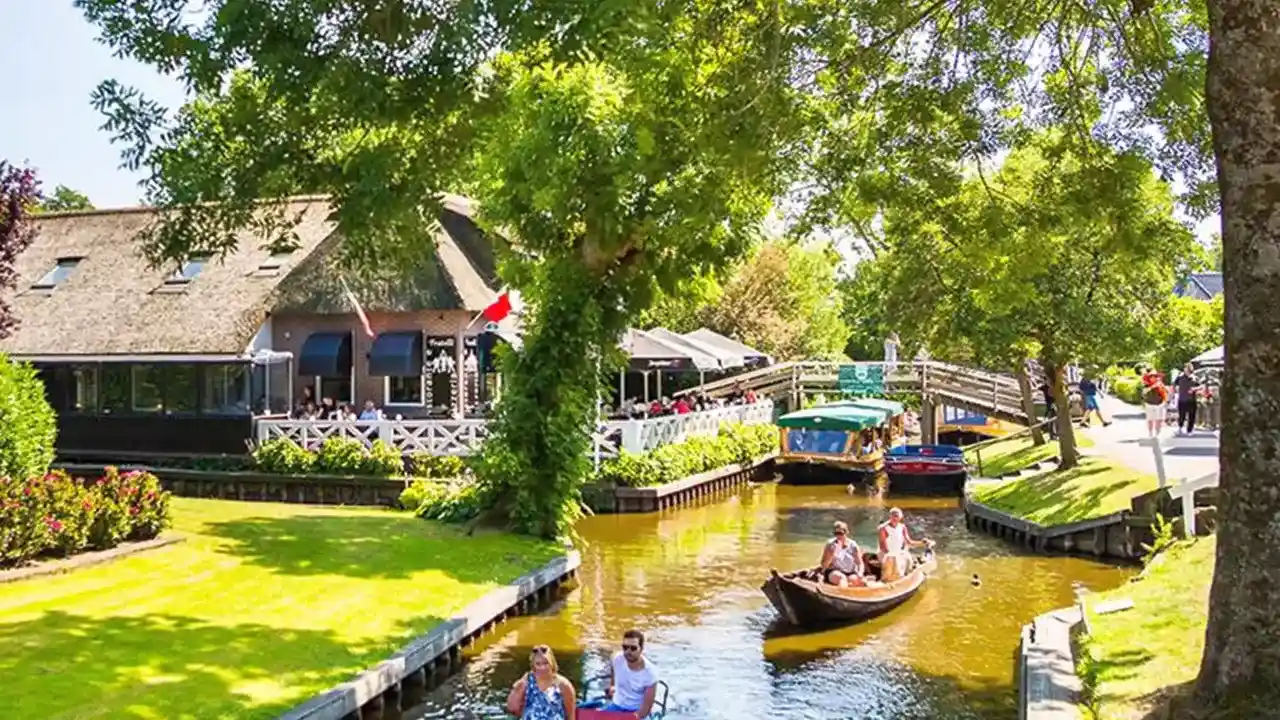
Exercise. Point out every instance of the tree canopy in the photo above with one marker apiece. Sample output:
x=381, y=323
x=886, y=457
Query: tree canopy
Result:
x=62, y=200
x=19, y=192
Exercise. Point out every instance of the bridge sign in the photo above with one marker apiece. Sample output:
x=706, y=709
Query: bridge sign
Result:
x=861, y=379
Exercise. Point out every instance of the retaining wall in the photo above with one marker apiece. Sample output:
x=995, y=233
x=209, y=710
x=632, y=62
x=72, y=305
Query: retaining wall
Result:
x=674, y=494
x=393, y=683
x=1048, y=687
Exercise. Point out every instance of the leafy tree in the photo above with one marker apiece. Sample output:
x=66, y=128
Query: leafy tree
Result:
x=1183, y=329
x=684, y=309
x=19, y=192
x=63, y=199
x=782, y=301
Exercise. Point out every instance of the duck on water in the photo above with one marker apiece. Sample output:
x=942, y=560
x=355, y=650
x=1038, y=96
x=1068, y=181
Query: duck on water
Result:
x=849, y=585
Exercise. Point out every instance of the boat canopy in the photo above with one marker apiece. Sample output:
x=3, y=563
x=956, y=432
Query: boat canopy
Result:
x=832, y=417
x=890, y=406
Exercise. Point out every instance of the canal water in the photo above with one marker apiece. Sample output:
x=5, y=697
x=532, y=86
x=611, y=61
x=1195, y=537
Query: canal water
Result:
x=690, y=578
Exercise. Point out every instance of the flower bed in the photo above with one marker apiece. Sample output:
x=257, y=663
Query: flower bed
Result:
x=57, y=515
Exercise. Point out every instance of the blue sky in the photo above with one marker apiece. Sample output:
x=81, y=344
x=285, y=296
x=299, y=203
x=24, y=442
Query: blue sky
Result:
x=47, y=121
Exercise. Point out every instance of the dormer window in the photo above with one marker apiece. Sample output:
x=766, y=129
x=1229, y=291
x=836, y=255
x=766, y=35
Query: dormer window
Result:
x=275, y=262
x=189, y=270
x=60, y=272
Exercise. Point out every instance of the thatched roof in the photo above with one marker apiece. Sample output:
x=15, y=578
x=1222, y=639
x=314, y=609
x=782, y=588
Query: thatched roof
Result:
x=112, y=304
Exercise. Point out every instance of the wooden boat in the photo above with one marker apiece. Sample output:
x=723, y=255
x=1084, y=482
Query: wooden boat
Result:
x=804, y=600
x=926, y=468
x=825, y=444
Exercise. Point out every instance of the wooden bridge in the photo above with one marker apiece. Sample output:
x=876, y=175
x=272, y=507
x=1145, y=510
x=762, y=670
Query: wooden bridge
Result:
x=993, y=394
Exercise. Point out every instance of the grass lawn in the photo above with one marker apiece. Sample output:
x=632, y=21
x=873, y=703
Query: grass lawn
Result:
x=1016, y=454
x=1133, y=659
x=263, y=606
x=1096, y=487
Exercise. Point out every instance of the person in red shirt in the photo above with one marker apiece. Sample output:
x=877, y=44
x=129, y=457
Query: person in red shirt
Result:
x=682, y=406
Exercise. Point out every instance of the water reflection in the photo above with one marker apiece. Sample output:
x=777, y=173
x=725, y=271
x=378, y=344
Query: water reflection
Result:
x=690, y=580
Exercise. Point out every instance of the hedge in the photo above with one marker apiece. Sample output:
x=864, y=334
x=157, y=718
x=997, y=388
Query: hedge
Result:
x=58, y=515
x=348, y=456
x=28, y=426
x=736, y=443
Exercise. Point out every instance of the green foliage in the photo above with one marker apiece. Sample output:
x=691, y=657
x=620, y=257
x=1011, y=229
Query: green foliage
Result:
x=684, y=309
x=1163, y=539
x=455, y=502
x=336, y=456
x=1183, y=329
x=783, y=302
x=1128, y=389
x=64, y=199
x=736, y=443
x=28, y=426
x=425, y=465
x=413, y=496
x=56, y=514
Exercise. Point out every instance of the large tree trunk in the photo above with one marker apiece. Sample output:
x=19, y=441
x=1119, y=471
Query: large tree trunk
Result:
x=1068, y=455
x=1242, y=645
x=1028, y=402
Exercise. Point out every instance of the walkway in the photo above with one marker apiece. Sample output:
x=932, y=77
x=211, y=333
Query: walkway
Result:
x=1185, y=458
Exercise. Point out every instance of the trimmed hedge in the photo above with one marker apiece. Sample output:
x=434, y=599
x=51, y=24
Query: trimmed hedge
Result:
x=736, y=443
x=28, y=427
x=336, y=456
x=58, y=515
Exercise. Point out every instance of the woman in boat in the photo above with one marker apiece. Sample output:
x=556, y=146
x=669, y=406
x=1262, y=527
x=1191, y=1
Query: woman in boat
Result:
x=842, y=563
x=543, y=694
x=895, y=545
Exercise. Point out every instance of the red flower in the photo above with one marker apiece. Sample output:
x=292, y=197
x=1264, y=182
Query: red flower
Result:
x=53, y=523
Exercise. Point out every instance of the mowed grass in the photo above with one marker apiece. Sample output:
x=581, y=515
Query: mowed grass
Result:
x=1094, y=488
x=1136, y=659
x=261, y=607
x=1016, y=454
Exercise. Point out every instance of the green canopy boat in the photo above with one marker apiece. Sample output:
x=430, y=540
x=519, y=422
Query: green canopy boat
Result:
x=835, y=436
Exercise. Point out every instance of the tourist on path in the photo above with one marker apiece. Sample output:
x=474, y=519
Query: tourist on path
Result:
x=1155, y=399
x=1188, y=387
x=543, y=694
x=1089, y=391
x=633, y=680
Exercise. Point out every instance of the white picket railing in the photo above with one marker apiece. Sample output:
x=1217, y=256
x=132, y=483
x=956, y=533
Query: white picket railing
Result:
x=463, y=437
x=1186, y=491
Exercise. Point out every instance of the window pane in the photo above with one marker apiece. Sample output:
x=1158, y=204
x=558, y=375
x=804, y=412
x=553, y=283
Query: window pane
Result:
x=440, y=393
x=336, y=389
x=404, y=390
x=180, y=389
x=84, y=397
x=226, y=389
x=115, y=388
x=147, y=381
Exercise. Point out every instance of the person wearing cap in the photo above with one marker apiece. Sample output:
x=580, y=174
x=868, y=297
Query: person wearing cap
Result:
x=842, y=563
x=895, y=547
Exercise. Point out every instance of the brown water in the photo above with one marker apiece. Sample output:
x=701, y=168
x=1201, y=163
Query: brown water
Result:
x=690, y=580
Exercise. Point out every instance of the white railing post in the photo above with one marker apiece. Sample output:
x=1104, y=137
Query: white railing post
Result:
x=633, y=436
x=1189, y=513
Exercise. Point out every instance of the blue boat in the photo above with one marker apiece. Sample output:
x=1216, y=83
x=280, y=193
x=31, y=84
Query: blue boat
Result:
x=926, y=468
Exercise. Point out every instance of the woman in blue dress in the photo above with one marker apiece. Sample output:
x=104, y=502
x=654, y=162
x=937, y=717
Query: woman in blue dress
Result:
x=543, y=694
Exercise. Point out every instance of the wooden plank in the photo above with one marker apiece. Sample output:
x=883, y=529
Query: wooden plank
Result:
x=1050, y=685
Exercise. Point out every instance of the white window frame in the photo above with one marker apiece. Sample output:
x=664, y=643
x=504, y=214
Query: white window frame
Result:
x=422, y=392
x=319, y=394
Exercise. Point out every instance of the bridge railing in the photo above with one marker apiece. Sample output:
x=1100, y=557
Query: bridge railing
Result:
x=464, y=437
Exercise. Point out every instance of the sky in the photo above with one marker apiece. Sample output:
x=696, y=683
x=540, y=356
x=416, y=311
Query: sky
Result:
x=46, y=121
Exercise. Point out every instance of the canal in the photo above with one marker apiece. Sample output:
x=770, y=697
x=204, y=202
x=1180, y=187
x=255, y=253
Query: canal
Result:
x=690, y=580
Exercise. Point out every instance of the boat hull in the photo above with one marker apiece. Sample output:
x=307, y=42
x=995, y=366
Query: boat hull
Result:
x=804, y=603
x=814, y=472
x=926, y=469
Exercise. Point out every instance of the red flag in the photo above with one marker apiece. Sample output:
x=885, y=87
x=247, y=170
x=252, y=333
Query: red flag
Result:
x=499, y=309
x=364, y=319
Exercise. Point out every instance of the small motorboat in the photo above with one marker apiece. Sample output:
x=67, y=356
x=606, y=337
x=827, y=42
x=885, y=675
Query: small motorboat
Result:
x=926, y=468
x=803, y=599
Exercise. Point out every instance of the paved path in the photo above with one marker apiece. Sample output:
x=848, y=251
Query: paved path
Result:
x=1184, y=457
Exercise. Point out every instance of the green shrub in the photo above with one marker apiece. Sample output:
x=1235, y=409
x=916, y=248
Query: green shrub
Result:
x=455, y=502
x=148, y=505
x=110, y=524
x=340, y=456
x=25, y=530
x=283, y=457
x=72, y=506
x=382, y=460
x=420, y=492
x=736, y=443
x=28, y=426
x=437, y=466
x=1128, y=389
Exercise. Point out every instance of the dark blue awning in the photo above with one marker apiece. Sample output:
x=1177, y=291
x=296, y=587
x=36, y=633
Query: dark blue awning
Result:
x=396, y=354
x=326, y=354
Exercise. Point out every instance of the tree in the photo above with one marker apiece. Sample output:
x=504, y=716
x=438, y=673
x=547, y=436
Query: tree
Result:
x=1183, y=329
x=19, y=192
x=63, y=199
x=1241, y=667
x=684, y=309
x=782, y=301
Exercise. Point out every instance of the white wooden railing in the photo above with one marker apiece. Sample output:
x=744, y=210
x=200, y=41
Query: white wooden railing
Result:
x=463, y=437
x=1186, y=491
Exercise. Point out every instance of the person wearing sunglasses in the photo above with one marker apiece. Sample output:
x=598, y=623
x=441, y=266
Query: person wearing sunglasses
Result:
x=633, y=680
x=543, y=694
x=842, y=562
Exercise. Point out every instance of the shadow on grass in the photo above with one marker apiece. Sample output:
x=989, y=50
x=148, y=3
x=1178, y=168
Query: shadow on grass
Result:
x=1056, y=497
x=379, y=547
x=1177, y=702
x=169, y=666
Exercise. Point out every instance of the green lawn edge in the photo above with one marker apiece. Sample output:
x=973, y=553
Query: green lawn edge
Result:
x=1095, y=488
x=1137, y=659
x=1017, y=454
x=262, y=607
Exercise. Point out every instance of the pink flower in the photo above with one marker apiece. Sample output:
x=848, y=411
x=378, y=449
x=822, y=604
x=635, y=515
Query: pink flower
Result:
x=53, y=523
x=133, y=511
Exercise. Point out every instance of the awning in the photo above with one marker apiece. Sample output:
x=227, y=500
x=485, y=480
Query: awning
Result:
x=725, y=359
x=326, y=354
x=1212, y=357
x=396, y=354
x=751, y=356
x=650, y=353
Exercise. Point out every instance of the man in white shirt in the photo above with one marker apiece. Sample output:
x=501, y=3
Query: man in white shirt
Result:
x=633, y=682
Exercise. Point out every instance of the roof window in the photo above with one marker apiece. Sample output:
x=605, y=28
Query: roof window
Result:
x=60, y=272
x=275, y=262
x=189, y=270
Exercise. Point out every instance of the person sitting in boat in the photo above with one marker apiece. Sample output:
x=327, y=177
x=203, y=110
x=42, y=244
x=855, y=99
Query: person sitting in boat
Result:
x=842, y=563
x=543, y=694
x=633, y=680
x=895, y=547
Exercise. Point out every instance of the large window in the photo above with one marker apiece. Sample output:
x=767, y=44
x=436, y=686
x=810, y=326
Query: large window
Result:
x=404, y=390
x=226, y=390
x=116, y=396
x=148, y=388
x=337, y=389
x=84, y=389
